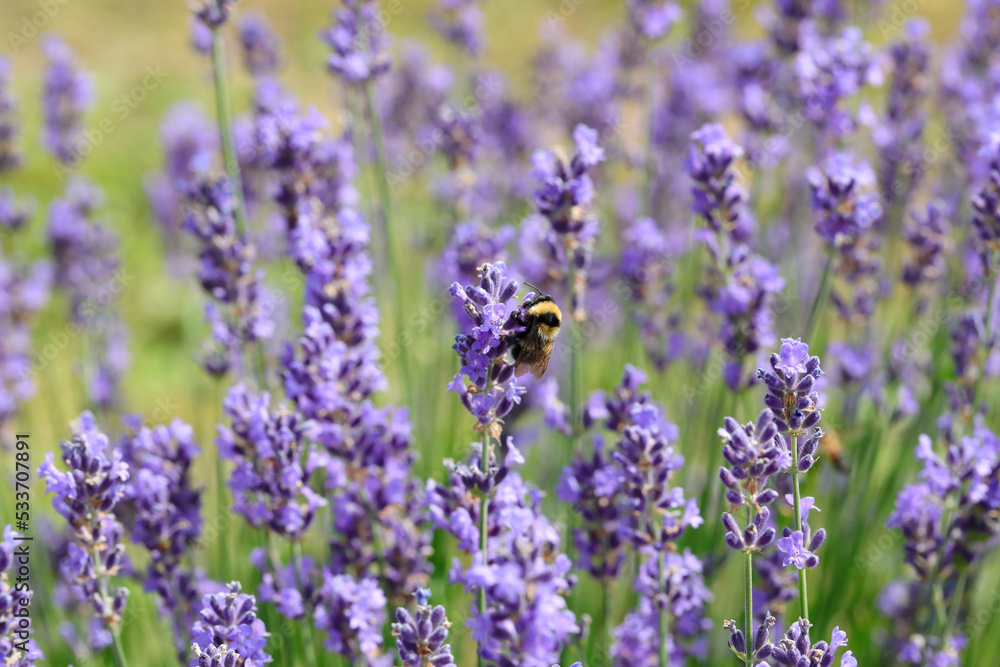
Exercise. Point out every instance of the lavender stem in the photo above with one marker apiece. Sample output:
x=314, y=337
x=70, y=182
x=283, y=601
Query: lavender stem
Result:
x=663, y=612
x=988, y=322
x=797, y=505
x=748, y=599
x=385, y=206
x=116, y=647
x=232, y=163
x=819, y=302
x=300, y=581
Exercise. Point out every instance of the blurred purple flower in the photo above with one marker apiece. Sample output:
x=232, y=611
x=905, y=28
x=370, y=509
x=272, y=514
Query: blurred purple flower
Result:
x=68, y=93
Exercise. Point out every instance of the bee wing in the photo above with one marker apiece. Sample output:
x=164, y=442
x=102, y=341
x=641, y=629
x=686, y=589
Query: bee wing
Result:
x=534, y=358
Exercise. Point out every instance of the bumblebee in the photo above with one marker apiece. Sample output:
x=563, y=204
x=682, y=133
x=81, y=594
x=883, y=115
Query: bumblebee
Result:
x=532, y=347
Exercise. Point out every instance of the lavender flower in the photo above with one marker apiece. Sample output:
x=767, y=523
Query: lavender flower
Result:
x=493, y=391
x=68, y=93
x=85, y=251
x=563, y=196
x=14, y=214
x=228, y=621
x=960, y=479
x=334, y=369
x=928, y=237
x=461, y=23
x=352, y=613
x=167, y=504
x=795, y=648
x=274, y=464
x=356, y=40
x=969, y=339
x=17, y=649
x=471, y=245
x=986, y=205
x=87, y=267
x=718, y=198
x=593, y=486
x=167, y=515
x=847, y=219
x=213, y=13
x=189, y=141
x=791, y=393
x=420, y=640
x=260, y=45
x=86, y=496
x=525, y=579
x=831, y=70
x=754, y=453
x=899, y=137
x=25, y=289
x=237, y=315
x=653, y=18
x=741, y=285
x=9, y=156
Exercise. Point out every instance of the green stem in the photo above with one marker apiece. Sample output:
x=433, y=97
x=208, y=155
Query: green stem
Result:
x=484, y=534
x=990, y=298
x=605, y=617
x=484, y=505
x=797, y=505
x=116, y=646
x=819, y=302
x=748, y=601
x=956, y=602
x=310, y=638
x=664, y=613
x=224, y=113
x=391, y=265
x=648, y=167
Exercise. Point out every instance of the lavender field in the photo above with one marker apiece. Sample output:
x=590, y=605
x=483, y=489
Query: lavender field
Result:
x=500, y=333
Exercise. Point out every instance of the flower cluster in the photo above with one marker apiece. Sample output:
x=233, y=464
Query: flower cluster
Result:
x=830, y=70
x=791, y=387
x=189, y=143
x=928, y=237
x=351, y=612
x=274, y=463
x=653, y=18
x=741, y=285
x=563, y=197
x=9, y=156
x=493, y=390
x=986, y=205
x=166, y=509
x=356, y=40
x=25, y=289
x=461, y=23
x=86, y=495
x=525, y=579
x=592, y=485
x=228, y=624
x=847, y=217
x=68, y=93
x=795, y=647
x=421, y=640
x=259, y=45
x=899, y=136
x=944, y=517
x=334, y=370
x=227, y=274
x=15, y=649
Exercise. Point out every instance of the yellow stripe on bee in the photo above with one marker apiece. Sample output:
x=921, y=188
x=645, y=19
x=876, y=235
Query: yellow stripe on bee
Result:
x=545, y=307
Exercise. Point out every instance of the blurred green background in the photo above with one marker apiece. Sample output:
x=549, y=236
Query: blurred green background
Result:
x=117, y=42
